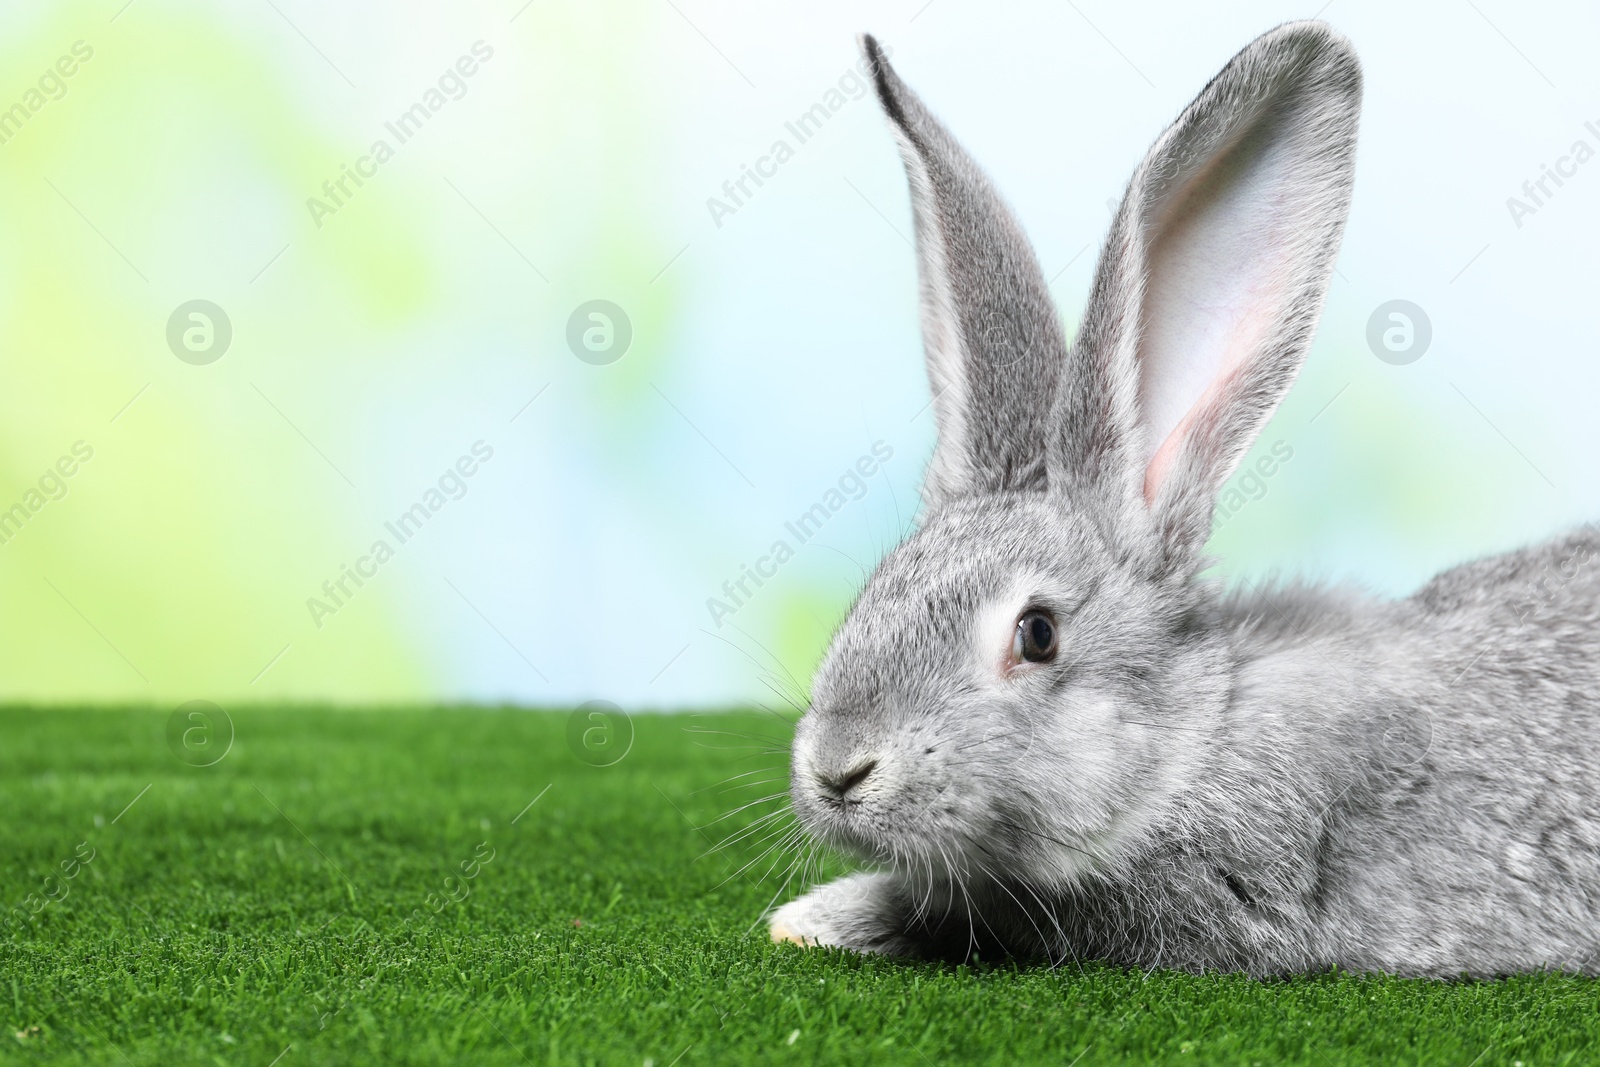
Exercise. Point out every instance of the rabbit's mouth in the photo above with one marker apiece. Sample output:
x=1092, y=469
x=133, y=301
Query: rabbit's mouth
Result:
x=852, y=822
x=885, y=822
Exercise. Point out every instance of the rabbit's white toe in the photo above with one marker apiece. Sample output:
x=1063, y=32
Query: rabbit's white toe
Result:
x=856, y=912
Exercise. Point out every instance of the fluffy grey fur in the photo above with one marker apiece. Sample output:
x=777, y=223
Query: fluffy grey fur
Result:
x=1278, y=782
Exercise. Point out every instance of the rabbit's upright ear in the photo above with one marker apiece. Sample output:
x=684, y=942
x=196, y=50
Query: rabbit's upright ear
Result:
x=1209, y=289
x=994, y=343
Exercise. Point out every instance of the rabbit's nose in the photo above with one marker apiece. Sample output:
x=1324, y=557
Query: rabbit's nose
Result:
x=838, y=786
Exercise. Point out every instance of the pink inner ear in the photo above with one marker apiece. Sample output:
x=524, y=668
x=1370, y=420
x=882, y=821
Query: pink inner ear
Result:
x=1156, y=471
x=1229, y=354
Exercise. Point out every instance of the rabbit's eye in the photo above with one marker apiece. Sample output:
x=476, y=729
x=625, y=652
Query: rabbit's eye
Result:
x=1035, y=639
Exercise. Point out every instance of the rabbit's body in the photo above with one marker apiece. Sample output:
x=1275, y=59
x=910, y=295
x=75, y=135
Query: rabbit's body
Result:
x=1052, y=737
x=1461, y=725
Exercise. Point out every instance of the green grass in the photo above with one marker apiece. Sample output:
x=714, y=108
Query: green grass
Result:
x=280, y=899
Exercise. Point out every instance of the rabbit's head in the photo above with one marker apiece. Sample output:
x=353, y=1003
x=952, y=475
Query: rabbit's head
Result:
x=1026, y=678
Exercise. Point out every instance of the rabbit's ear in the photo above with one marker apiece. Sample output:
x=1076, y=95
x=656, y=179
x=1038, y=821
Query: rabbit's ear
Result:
x=994, y=342
x=1210, y=286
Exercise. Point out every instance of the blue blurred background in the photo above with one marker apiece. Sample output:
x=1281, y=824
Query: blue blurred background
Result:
x=410, y=336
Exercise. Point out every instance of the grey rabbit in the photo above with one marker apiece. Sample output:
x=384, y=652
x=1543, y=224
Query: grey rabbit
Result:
x=1044, y=734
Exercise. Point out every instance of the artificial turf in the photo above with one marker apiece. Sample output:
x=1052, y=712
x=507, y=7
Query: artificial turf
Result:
x=372, y=887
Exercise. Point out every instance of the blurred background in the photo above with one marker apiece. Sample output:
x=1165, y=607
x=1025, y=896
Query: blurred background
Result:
x=369, y=353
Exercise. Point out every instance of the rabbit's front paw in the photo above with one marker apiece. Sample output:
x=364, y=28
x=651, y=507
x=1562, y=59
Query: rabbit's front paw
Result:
x=861, y=912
